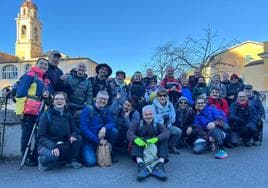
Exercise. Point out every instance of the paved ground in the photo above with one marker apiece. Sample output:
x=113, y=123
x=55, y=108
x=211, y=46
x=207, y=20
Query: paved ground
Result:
x=245, y=167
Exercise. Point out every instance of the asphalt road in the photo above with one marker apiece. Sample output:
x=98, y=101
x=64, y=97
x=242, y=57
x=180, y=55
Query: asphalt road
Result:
x=245, y=167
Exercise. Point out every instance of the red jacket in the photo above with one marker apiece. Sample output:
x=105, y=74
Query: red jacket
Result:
x=220, y=104
x=169, y=82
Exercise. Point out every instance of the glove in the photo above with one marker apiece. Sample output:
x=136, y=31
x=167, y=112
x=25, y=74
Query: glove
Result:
x=152, y=140
x=139, y=142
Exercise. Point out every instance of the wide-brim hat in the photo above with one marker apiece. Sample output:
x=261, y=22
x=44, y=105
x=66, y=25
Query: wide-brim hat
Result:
x=99, y=66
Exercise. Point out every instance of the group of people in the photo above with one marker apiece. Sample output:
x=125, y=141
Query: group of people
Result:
x=146, y=118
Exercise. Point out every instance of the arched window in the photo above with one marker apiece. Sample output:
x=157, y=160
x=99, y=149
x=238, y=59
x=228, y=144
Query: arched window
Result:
x=35, y=34
x=9, y=72
x=23, y=30
x=27, y=67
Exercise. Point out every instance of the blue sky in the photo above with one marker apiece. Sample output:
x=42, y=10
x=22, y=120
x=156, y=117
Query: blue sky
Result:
x=125, y=33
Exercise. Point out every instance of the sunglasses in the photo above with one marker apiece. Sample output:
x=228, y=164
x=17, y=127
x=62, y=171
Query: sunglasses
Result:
x=162, y=95
x=183, y=102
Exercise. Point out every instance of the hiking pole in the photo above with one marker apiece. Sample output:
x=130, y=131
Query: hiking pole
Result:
x=31, y=137
x=4, y=126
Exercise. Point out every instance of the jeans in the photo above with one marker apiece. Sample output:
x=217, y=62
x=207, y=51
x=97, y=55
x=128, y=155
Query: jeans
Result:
x=175, y=135
x=89, y=148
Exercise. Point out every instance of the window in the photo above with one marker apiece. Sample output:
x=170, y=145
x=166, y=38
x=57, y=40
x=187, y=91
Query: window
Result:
x=27, y=67
x=35, y=34
x=9, y=72
x=24, y=12
x=23, y=30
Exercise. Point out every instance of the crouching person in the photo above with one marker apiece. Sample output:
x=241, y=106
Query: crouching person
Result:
x=243, y=120
x=209, y=127
x=97, y=128
x=145, y=135
x=58, y=136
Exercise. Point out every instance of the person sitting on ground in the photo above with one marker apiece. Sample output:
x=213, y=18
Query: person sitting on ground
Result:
x=187, y=92
x=97, y=128
x=144, y=135
x=233, y=88
x=243, y=120
x=58, y=136
x=118, y=86
x=200, y=88
x=165, y=114
x=184, y=118
x=216, y=82
x=151, y=90
x=219, y=102
x=124, y=117
x=149, y=76
x=255, y=101
x=172, y=85
x=209, y=127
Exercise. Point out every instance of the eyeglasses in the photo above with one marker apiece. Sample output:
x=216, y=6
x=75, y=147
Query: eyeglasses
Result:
x=162, y=95
x=183, y=102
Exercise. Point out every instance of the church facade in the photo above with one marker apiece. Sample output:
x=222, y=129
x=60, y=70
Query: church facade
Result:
x=29, y=49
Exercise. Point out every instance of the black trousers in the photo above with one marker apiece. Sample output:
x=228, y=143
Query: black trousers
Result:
x=27, y=123
x=162, y=150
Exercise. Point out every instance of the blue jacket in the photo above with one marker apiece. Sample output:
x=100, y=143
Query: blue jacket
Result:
x=186, y=92
x=92, y=120
x=207, y=115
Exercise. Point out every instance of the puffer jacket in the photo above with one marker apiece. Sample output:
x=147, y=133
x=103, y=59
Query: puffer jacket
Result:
x=79, y=91
x=220, y=104
x=32, y=84
x=54, y=74
x=117, y=88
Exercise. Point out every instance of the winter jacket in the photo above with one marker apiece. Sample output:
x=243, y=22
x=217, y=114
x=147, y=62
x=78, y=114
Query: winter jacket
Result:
x=137, y=89
x=242, y=115
x=92, y=120
x=119, y=88
x=170, y=82
x=142, y=130
x=233, y=90
x=207, y=115
x=256, y=102
x=186, y=92
x=147, y=80
x=120, y=120
x=199, y=90
x=164, y=114
x=32, y=84
x=56, y=127
x=220, y=104
x=100, y=85
x=54, y=74
x=193, y=81
x=79, y=91
x=184, y=118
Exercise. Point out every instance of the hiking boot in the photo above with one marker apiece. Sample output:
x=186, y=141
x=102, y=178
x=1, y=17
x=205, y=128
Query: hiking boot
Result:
x=221, y=154
x=30, y=162
x=247, y=144
x=73, y=164
x=256, y=143
x=159, y=171
x=174, y=150
x=142, y=172
x=41, y=167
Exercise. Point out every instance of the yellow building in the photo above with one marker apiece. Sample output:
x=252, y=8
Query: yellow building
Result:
x=256, y=72
x=29, y=49
x=233, y=59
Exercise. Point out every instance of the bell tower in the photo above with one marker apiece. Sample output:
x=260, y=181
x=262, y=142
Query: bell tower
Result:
x=28, y=42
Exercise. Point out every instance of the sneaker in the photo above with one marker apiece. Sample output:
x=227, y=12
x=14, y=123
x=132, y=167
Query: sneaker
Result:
x=221, y=154
x=41, y=167
x=74, y=165
x=159, y=171
x=142, y=172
